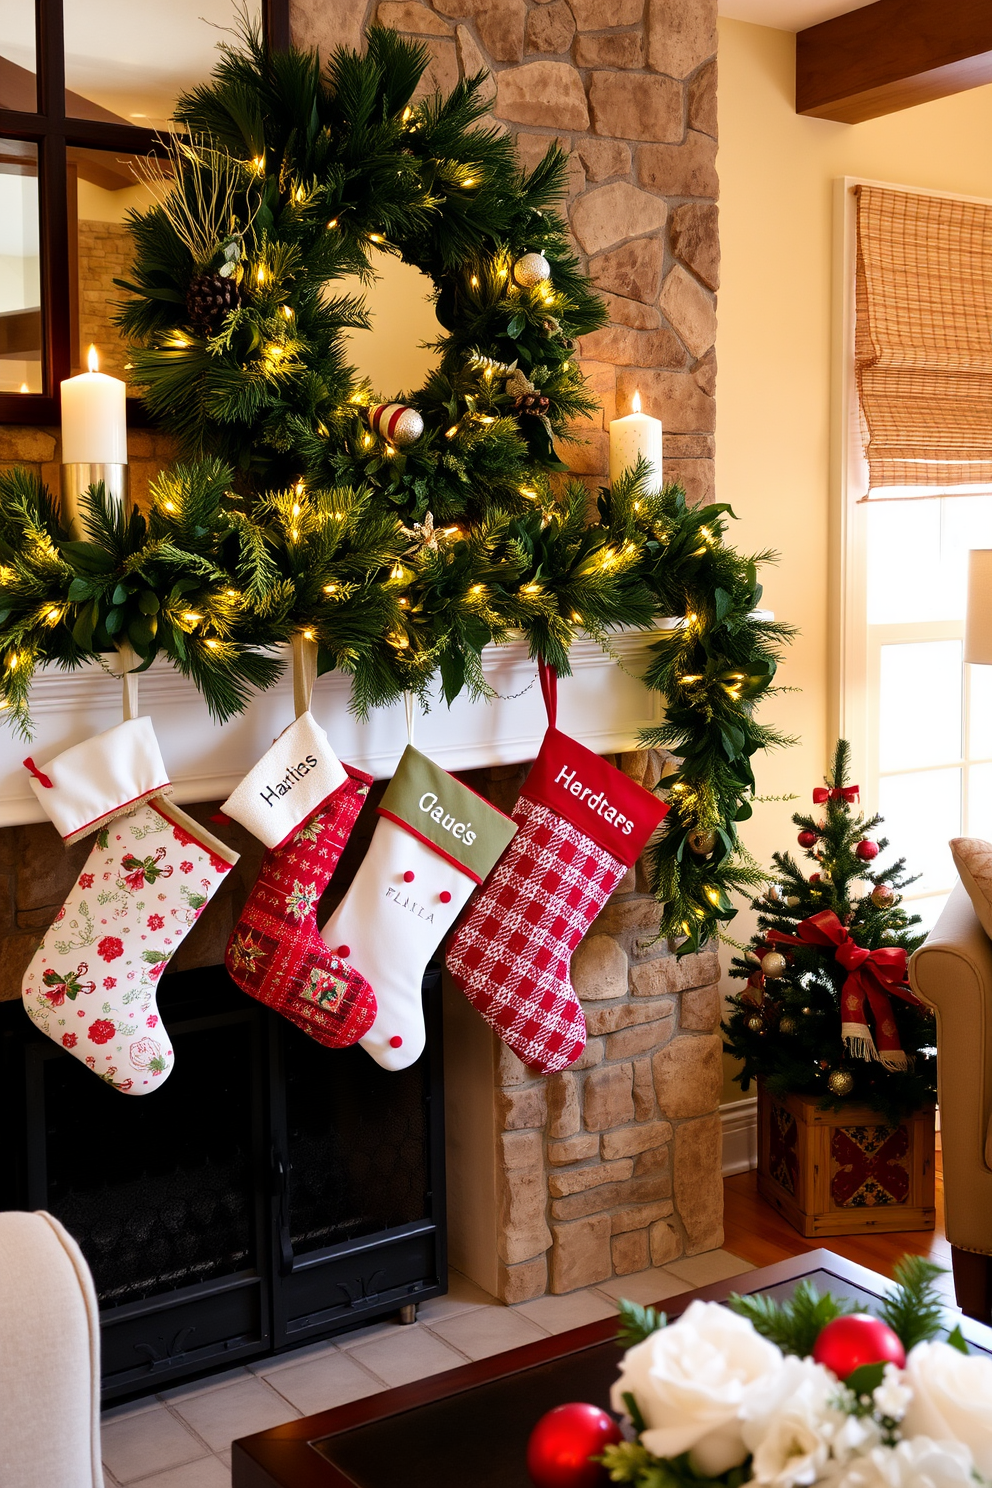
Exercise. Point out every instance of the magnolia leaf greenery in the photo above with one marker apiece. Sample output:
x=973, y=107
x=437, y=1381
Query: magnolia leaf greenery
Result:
x=286, y=514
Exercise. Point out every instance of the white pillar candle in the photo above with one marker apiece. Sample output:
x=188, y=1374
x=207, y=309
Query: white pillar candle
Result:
x=637, y=434
x=94, y=418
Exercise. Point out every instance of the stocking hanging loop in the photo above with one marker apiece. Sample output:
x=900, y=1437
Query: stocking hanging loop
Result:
x=409, y=704
x=124, y=665
x=304, y=670
x=549, y=687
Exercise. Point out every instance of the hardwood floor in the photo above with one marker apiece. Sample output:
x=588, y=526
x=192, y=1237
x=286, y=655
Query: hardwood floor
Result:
x=757, y=1233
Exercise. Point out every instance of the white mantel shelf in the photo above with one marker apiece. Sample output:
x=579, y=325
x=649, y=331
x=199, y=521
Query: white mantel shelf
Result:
x=602, y=704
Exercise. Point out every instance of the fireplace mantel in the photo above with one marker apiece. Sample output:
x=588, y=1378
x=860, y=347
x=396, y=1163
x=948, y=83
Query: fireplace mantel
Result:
x=603, y=704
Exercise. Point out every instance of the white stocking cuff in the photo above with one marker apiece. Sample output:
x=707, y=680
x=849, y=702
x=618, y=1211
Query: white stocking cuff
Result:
x=289, y=783
x=91, y=783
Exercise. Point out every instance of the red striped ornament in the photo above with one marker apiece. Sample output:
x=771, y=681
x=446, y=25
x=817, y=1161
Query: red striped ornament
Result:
x=396, y=423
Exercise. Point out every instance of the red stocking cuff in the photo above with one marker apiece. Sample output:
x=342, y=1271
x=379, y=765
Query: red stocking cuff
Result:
x=603, y=802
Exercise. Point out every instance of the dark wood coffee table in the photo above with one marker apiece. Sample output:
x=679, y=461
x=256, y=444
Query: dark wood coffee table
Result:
x=470, y=1425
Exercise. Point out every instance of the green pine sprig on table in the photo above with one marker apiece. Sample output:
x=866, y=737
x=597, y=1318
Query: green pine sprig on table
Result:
x=795, y=1323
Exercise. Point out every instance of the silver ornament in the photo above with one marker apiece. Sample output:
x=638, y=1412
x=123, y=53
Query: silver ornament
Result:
x=530, y=270
x=774, y=964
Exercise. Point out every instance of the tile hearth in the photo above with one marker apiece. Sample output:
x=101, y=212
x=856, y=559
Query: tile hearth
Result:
x=182, y=1438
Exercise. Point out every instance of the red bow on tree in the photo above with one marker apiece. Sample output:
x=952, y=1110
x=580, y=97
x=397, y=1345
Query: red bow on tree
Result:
x=848, y=793
x=872, y=976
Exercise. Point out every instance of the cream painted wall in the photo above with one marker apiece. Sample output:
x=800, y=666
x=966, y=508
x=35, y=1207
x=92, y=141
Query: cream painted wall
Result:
x=773, y=348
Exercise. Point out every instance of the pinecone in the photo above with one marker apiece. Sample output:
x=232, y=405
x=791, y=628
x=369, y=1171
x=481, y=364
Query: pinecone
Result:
x=208, y=300
x=531, y=403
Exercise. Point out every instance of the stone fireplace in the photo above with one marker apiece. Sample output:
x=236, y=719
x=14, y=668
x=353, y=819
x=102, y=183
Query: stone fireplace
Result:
x=614, y=1165
x=553, y=1184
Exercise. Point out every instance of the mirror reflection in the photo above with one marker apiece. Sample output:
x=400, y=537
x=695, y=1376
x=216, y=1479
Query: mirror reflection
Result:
x=401, y=305
x=128, y=62
x=20, y=278
x=18, y=88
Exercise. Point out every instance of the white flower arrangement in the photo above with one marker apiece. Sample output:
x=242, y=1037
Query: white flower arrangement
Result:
x=708, y=1399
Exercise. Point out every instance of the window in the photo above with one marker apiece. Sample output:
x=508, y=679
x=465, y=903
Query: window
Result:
x=919, y=720
x=84, y=89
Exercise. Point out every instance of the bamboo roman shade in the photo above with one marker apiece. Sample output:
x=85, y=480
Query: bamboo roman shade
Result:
x=923, y=340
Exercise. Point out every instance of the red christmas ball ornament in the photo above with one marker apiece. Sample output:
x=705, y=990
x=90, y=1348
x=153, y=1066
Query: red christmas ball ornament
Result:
x=848, y=1342
x=867, y=850
x=814, y=878
x=563, y=1442
x=807, y=839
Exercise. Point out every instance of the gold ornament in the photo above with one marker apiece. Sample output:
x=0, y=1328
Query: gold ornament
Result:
x=840, y=1082
x=787, y=1025
x=883, y=897
x=754, y=959
x=756, y=1024
x=701, y=843
x=531, y=270
x=774, y=964
x=806, y=1012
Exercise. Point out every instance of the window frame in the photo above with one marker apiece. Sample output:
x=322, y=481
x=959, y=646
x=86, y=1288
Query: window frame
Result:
x=855, y=647
x=53, y=134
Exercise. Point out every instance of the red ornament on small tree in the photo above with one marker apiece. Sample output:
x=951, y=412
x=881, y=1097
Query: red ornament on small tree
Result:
x=563, y=1444
x=807, y=839
x=849, y=1342
x=867, y=850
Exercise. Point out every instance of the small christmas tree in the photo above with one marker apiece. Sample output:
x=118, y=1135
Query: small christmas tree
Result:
x=827, y=1009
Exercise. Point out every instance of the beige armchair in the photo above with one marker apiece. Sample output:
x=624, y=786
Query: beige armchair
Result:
x=952, y=973
x=49, y=1358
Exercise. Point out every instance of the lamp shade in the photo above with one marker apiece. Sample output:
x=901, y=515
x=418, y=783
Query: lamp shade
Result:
x=978, y=621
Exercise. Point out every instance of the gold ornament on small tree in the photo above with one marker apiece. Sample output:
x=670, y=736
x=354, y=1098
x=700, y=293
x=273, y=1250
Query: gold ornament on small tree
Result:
x=755, y=1023
x=840, y=1082
x=774, y=964
x=701, y=843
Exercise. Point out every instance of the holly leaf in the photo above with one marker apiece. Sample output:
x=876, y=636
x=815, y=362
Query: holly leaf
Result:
x=957, y=1340
x=866, y=1379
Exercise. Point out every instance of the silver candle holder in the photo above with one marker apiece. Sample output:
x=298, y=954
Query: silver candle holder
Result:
x=76, y=481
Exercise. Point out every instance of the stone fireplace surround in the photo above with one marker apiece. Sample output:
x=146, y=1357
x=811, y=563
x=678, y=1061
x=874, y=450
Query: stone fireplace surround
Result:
x=553, y=1183
x=615, y=1164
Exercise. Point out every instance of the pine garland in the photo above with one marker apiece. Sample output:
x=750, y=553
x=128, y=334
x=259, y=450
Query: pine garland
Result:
x=289, y=513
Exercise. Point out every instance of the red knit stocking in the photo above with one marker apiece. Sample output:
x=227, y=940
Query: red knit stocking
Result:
x=276, y=953
x=582, y=824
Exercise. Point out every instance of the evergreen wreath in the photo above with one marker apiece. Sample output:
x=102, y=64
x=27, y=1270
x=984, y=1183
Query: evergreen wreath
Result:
x=295, y=508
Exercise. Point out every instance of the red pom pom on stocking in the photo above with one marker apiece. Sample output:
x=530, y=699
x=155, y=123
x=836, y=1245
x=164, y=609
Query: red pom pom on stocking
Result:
x=582, y=823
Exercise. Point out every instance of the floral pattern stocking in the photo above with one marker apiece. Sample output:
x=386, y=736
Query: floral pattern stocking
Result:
x=91, y=986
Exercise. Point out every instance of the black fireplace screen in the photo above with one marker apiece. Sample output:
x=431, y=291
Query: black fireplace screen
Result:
x=271, y=1192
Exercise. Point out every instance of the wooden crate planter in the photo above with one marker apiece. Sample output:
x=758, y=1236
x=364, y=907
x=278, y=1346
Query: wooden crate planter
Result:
x=845, y=1172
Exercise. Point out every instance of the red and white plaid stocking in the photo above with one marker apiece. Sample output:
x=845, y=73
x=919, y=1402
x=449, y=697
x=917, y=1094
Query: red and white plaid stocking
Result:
x=582, y=824
x=302, y=803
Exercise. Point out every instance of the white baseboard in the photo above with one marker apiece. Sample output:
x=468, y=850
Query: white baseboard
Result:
x=740, y=1135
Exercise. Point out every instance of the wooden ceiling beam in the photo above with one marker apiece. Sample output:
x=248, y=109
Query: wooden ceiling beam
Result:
x=892, y=55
